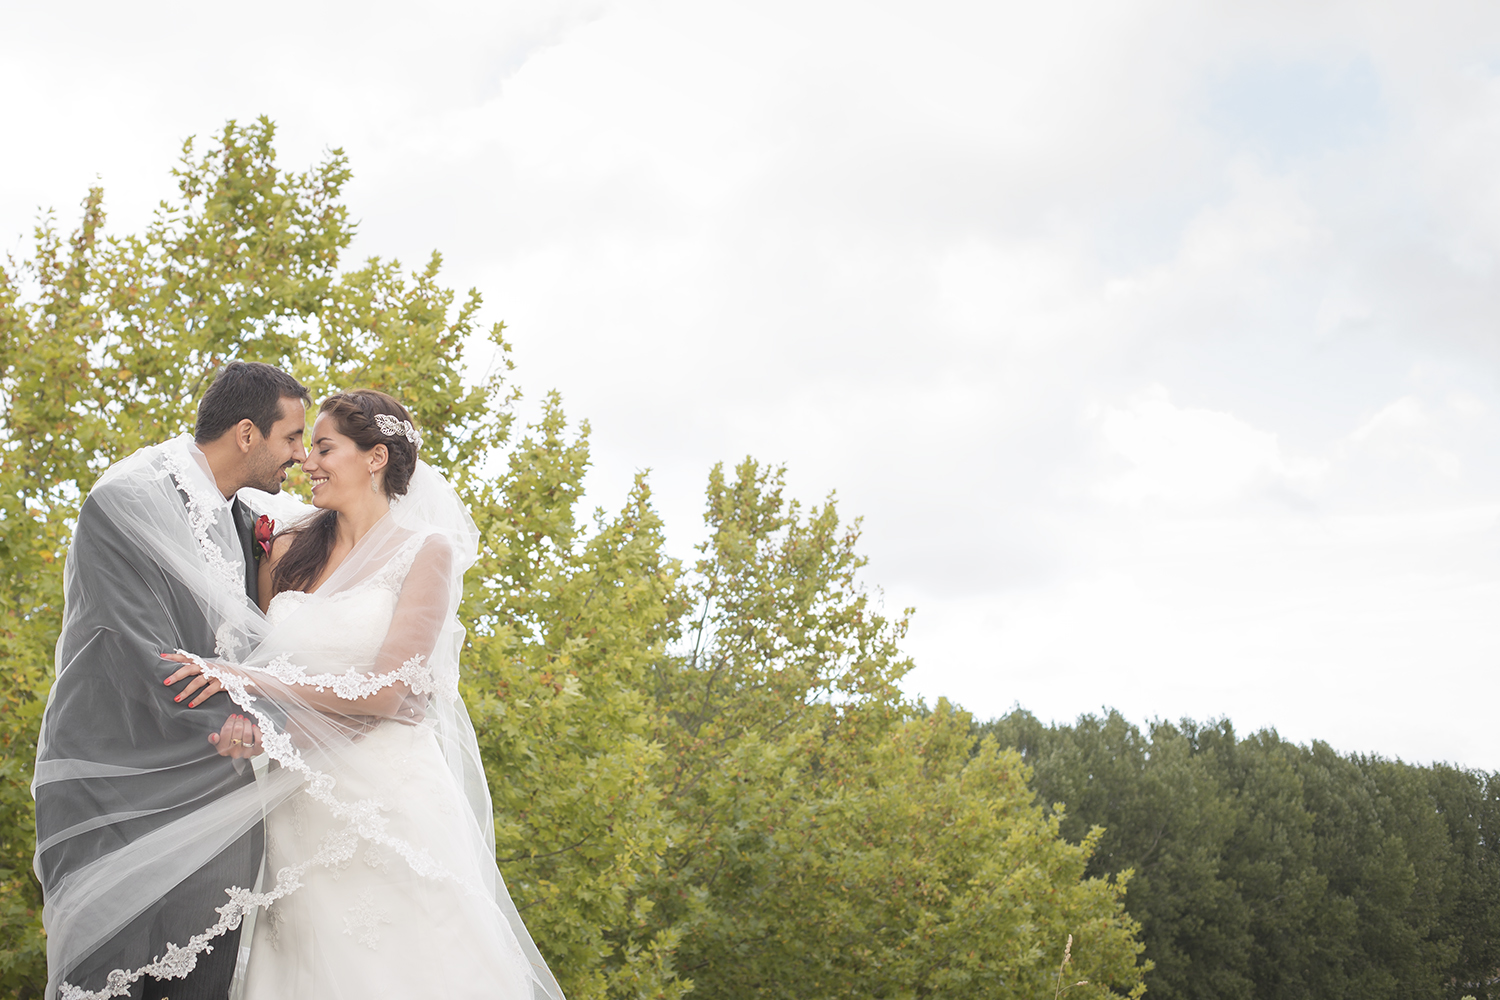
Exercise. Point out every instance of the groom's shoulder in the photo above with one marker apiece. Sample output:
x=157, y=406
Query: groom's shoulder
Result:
x=106, y=493
x=135, y=472
x=115, y=488
x=99, y=518
x=125, y=483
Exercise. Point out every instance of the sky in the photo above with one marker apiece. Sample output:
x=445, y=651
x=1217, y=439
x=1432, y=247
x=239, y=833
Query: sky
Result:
x=1154, y=342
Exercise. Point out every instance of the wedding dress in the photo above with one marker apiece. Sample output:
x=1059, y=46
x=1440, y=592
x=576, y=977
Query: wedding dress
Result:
x=369, y=925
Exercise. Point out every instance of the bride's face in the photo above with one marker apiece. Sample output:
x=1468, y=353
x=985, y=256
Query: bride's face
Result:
x=339, y=471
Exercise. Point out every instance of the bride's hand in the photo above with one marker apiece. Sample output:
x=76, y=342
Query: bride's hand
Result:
x=205, y=686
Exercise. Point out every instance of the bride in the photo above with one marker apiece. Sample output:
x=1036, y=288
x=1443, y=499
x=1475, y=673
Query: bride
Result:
x=379, y=876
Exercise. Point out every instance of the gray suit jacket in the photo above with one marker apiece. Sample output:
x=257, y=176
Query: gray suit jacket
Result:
x=112, y=696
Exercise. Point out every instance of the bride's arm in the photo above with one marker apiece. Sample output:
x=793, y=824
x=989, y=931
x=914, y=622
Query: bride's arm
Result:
x=421, y=609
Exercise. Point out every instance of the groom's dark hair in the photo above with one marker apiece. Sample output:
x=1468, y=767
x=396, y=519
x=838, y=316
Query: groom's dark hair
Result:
x=245, y=389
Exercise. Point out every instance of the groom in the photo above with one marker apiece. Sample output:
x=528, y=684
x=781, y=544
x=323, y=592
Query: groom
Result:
x=103, y=710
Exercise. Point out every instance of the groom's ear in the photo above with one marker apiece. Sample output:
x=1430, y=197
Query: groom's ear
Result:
x=245, y=435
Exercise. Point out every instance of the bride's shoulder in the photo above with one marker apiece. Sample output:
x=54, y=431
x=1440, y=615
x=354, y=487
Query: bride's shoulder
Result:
x=281, y=544
x=434, y=542
x=424, y=554
x=421, y=551
x=287, y=534
x=266, y=572
x=435, y=548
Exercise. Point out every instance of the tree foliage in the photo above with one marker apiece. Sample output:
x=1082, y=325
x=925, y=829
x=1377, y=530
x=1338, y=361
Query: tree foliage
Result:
x=705, y=778
x=1265, y=869
x=838, y=843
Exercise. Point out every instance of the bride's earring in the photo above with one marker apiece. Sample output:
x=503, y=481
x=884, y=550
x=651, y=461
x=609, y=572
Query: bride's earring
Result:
x=374, y=487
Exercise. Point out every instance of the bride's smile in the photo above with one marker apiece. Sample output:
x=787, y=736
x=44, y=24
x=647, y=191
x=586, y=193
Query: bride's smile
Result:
x=343, y=476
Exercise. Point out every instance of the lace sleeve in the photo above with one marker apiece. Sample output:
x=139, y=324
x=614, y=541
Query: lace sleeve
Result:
x=399, y=684
x=423, y=607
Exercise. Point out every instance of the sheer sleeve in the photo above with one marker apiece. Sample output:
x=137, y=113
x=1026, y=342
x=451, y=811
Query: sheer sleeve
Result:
x=422, y=608
x=400, y=681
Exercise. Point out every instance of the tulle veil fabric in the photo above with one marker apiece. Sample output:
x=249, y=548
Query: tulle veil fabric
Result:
x=161, y=504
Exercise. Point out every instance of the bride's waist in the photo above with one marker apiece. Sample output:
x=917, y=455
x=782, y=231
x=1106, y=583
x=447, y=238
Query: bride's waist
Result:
x=394, y=733
x=364, y=738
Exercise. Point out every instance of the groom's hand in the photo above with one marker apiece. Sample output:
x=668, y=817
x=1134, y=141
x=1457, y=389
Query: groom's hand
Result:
x=239, y=737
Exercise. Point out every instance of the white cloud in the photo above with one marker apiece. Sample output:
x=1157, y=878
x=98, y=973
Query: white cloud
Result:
x=903, y=247
x=1191, y=456
x=1405, y=414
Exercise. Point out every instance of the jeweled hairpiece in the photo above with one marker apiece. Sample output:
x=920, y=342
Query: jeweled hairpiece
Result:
x=393, y=427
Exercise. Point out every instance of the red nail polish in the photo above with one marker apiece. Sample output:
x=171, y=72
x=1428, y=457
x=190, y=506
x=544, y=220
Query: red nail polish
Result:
x=178, y=698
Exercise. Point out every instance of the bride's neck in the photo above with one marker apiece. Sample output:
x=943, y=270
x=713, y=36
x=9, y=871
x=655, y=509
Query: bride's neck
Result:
x=355, y=522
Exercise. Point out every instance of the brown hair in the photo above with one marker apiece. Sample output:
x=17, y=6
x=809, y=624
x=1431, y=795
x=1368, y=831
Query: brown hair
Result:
x=245, y=389
x=354, y=414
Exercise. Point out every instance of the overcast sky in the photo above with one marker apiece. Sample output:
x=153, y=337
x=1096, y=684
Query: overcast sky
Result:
x=1156, y=342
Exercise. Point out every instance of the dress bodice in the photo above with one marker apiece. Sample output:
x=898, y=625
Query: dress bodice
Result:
x=351, y=626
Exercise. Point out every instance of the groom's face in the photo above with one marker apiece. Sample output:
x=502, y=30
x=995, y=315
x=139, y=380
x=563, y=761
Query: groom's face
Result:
x=271, y=456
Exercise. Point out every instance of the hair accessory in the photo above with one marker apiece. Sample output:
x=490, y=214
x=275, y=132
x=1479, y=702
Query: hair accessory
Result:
x=392, y=427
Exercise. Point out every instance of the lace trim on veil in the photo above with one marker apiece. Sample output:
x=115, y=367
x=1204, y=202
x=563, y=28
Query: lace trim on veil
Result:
x=201, y=516
x=202, y=511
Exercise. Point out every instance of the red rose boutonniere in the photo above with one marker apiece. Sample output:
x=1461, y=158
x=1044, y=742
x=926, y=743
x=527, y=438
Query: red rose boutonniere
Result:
x=265, y=530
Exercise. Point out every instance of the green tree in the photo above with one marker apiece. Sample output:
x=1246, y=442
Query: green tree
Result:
x=837, y=840
x=1469, y=804
x=566, y=629
x=1269, y=870
x=1165, y=819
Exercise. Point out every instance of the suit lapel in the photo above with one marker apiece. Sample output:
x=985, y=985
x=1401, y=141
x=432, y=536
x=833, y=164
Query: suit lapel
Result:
x=244, y=524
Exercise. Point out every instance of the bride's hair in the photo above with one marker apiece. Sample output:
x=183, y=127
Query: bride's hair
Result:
x=355, y=414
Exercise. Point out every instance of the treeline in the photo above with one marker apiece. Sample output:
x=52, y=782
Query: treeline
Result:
x=1268, y=870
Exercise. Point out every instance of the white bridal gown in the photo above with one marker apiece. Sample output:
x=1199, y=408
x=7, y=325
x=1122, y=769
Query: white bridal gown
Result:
x=380, y=924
